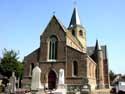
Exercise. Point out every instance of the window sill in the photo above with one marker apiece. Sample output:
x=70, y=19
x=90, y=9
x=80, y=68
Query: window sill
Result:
x=51, y=60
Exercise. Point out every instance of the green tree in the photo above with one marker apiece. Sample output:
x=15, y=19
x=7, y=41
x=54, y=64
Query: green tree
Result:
x=112, y=76
x=9, y=63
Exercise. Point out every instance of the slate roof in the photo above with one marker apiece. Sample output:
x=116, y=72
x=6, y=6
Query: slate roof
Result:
x=90, y=51
x=75, y=20
x=33, y=53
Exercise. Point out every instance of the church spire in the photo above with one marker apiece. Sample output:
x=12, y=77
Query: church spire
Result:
x=75, y=20
x=100, y=71
x=97, y=46
x=77, y=30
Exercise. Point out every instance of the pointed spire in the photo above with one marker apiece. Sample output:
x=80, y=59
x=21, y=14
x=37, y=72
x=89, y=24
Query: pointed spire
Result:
x=97, y=46
x=75, y=20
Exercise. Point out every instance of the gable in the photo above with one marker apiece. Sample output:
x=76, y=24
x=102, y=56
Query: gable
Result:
x=33, y=57
x=54, y=28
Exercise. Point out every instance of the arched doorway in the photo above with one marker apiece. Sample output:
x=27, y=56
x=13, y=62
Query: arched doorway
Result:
x=52, y=80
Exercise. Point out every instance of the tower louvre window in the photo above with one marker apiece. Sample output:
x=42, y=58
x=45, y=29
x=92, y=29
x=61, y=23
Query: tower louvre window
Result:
x=81, y=33
x=53, y=48
x=73, y=32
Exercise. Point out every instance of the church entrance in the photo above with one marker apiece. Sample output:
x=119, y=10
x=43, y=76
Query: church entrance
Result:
x=52, y=80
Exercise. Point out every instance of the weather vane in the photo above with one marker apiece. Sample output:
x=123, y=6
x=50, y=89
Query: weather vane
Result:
x=54, y=12
x=75, y=3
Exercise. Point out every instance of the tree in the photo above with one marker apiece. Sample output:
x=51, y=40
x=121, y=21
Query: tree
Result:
x=9, y=63
x=112, y=76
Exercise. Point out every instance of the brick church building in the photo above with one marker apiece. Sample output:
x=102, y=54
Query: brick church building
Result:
x=65, y=49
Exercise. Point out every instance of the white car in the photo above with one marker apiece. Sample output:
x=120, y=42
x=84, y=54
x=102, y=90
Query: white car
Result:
x=120, y=87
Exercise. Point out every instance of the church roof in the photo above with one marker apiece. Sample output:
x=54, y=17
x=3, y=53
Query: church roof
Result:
x=91, y=50
x=59, y=22
x=74, y=40
x=75, y=20
x=33, y=54
x=97, y=46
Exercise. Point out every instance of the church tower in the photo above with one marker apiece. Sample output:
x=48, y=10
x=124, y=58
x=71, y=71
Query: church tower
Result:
x=77, y=30
x=100, y=72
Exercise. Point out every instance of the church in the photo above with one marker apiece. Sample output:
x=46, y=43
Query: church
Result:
x=64, y=51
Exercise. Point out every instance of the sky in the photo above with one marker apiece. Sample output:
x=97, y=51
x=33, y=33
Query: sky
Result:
x=23, y=21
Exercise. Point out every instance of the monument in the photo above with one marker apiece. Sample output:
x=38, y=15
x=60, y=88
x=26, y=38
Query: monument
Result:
x=13, y=83
x=61, y=77
x=61, y=89
x=36, y=82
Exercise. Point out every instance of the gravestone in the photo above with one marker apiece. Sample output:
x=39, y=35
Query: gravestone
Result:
x=36, y=81
x=13, y=83
x=61, y=89
x=8, y=89
x=61, y=77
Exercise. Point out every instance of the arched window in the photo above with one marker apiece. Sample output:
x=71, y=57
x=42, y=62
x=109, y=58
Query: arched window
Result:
x=80, y=33
x=75, y=68
x=73, y=32
x=31, y=68
x=53, y=48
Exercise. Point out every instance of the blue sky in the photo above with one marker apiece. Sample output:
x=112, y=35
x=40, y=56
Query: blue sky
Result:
x=23, y=21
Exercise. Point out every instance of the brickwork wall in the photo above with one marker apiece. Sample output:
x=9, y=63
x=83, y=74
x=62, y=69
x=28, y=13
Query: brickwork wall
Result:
x=46, y=67
x=91, y=75
x=74, y=55
x=31, y=58
x=106, y=73
x=91, y=66
x=74, y=80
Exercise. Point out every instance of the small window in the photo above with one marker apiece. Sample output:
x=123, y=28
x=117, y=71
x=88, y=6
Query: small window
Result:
x=75, y=68
x=73, y=32
x=31, y=68
x=80, y=33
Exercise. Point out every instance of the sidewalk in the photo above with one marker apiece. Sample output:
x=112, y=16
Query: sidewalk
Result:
x=105, y=91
